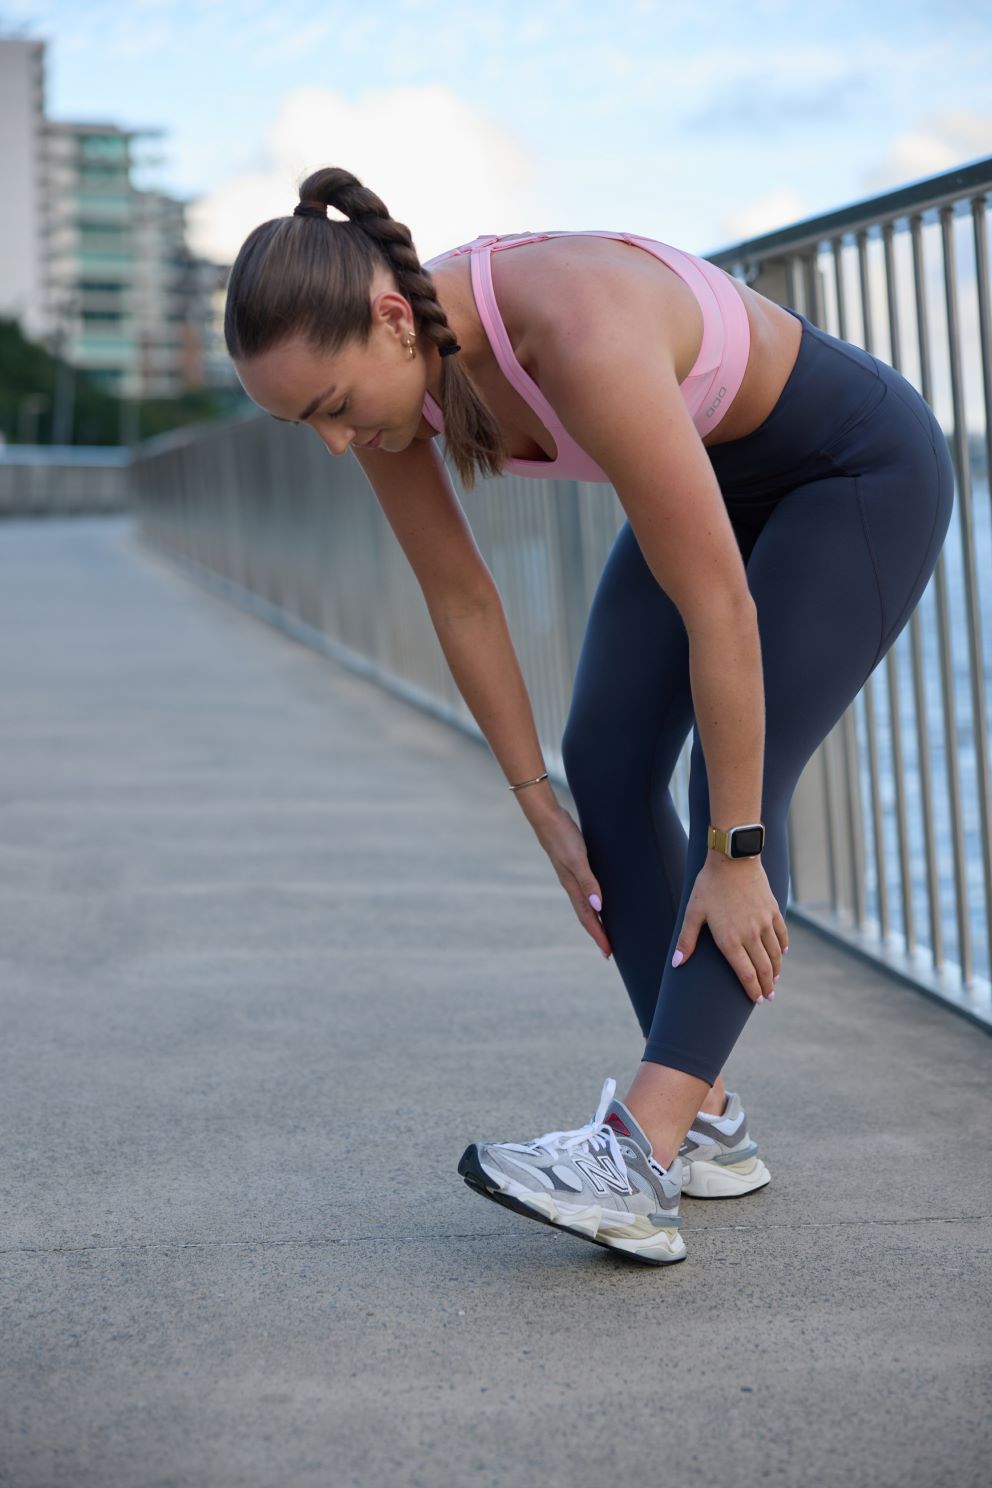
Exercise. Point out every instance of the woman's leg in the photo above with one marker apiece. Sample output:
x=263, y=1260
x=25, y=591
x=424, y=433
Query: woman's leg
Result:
x=630, y=712
x=835, y=573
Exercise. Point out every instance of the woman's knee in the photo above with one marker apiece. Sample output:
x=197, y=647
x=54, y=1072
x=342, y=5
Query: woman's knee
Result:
x=582, y=744
x=605, y=751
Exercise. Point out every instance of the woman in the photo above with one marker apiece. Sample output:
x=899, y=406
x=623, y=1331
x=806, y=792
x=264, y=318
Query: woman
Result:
x=787, y=495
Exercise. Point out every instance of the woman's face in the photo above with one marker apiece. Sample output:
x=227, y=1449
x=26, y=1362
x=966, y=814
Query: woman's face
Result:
x=356, y=394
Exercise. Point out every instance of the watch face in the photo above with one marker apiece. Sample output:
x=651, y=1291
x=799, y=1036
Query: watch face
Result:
x=746, y=842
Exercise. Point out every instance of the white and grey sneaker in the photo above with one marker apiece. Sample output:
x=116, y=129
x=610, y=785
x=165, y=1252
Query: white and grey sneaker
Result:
x=719, y=1160
x=598, y=1181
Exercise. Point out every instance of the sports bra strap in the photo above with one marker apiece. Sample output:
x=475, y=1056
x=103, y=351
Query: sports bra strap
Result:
x=492, y=320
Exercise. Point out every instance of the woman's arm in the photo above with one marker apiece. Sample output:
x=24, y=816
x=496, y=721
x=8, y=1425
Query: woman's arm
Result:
x=415, y=492
x=615, y=390
x=421, y=505
x=612, y=381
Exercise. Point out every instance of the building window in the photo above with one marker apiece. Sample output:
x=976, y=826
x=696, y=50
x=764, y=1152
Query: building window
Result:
x=102, y=146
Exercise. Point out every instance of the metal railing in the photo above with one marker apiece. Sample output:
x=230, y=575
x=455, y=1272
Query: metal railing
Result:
x=890, y=839
x=43, y=480
x=906, y=813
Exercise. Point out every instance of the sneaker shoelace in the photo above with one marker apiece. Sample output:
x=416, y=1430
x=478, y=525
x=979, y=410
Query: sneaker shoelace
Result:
x=595, y=1134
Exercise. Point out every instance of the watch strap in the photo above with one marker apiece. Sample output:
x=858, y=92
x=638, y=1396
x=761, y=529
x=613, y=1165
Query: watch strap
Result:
x=723, y=840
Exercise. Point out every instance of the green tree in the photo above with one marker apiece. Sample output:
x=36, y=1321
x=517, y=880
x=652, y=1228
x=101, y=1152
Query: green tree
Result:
x=28, y=379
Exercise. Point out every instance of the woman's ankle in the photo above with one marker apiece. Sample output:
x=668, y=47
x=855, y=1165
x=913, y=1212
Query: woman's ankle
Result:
x=664, y=1100
x=716, y=1101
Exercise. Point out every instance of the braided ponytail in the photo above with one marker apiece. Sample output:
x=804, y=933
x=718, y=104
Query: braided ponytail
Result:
x=291, y=278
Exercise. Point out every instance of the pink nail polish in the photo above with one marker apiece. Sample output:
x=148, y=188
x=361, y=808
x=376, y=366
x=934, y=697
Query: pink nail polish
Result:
x=678, y=958
x=772, y=993
x=596, y=902
x=775, y=978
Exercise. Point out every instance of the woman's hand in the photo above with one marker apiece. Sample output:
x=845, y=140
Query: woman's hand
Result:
x=734, y=898
x=565, y=846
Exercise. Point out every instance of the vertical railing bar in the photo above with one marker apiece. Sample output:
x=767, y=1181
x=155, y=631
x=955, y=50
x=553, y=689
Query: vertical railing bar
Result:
x=939, y=581
x=816, y=289
x=554, y=645
x=791, y=846
x=855, y=815
x=792, y=278
x=899, y=783
x=561, y=552
x=855, y=839
x=829, y=818
x=891, y=296
x=949, y=704
x=878, y=831
x=891, y=659
x=979, y=208
x=882, y=886
x=861, y=238
x=841, y=292
x=980, y=735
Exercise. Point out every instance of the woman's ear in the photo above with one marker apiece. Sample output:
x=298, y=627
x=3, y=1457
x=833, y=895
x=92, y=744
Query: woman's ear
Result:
x=389, y=307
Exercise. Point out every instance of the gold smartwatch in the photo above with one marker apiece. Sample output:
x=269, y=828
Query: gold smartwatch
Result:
x=738, y=842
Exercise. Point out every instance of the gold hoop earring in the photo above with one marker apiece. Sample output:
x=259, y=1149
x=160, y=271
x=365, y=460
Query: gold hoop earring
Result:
x=410, y=343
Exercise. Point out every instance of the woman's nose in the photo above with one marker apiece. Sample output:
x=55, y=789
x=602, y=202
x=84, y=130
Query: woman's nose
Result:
x=339, y=442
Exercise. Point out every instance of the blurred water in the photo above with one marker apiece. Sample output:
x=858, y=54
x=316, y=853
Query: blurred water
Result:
x=964, y=745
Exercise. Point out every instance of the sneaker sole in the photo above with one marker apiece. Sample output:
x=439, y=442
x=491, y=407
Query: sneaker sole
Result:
x=713, y=1180
x=668, y=1245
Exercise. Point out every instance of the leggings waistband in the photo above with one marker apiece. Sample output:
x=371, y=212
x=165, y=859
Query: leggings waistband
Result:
x=831, y=387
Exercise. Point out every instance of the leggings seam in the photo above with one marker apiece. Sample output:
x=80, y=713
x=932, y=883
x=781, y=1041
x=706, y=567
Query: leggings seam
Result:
x=841, y=350
x=863, y=516
x=862, y=512
x=925, y=424
x=926, y=553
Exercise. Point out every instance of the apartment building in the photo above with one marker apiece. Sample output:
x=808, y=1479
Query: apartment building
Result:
x=97, y=269
x=22, y=220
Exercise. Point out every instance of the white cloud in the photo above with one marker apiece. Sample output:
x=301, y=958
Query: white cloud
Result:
x=938, y=144
x=446, y=170
x=766, y=214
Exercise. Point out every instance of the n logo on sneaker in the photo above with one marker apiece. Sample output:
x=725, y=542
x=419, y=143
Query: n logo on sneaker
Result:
x=602, y=1173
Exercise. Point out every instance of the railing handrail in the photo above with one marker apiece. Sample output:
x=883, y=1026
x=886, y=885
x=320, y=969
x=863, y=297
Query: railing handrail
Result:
x=923, y=195
x=65, y=454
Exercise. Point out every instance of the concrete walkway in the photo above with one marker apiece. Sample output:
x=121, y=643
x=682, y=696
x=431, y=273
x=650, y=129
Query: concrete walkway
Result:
x=275, y=947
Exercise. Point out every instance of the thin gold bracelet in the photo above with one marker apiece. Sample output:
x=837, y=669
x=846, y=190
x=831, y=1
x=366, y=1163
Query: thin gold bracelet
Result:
x=535, y=781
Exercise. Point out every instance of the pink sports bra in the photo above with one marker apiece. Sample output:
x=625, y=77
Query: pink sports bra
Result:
x=708, y=390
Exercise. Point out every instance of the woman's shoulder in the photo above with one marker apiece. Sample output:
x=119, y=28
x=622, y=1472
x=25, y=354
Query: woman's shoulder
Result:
x=548, y=283
x=557, y=283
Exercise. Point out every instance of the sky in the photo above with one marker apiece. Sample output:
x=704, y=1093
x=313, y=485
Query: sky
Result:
x=700, y=126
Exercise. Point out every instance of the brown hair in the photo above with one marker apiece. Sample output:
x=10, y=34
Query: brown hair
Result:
x=311, y=277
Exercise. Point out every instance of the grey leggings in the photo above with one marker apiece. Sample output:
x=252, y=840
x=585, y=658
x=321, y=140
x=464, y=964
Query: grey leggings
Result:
x=840, y=502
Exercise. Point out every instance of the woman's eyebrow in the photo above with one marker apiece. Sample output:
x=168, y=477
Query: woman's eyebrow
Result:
x=313, y=404
x=316, y=402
